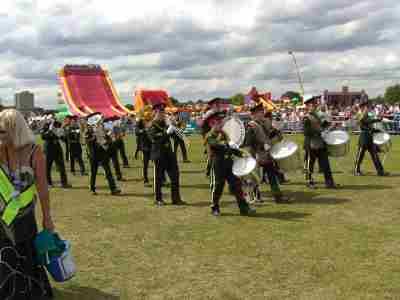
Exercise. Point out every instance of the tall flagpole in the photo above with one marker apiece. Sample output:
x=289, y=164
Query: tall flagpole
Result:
x=298, y=72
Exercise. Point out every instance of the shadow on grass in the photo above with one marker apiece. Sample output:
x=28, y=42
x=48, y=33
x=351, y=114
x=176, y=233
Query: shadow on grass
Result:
x=148, y=195
x=196, y=186
x=361, y=187
x=281, y=215
x=300, y=197
x=322, y=200
x=192, y=171
x=83, y=293
x=132, y=180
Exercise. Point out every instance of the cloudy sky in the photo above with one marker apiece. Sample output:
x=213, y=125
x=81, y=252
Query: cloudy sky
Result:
x=199, y=49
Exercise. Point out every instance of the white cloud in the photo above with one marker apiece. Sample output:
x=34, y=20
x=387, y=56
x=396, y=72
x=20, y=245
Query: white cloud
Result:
x=199, y=49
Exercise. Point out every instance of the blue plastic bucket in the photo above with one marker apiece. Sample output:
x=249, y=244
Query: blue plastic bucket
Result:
x=62, y=268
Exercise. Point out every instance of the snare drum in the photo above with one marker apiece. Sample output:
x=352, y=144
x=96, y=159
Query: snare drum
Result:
x=338, y=142
x=245, y=168
x=383, y=141
x=287, y=155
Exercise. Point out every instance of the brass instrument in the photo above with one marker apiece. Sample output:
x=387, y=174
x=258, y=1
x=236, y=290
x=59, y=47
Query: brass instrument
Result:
x=95, y=123
x=179, y=132
x=146, y=114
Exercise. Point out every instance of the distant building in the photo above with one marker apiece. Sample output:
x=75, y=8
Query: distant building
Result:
x=25, y=101
x=344, y=98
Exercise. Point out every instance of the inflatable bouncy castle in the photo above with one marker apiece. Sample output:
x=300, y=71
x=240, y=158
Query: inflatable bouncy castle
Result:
x=87, y=89
x=143, y=98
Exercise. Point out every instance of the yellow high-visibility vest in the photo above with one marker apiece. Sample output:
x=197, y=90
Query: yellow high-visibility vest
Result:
x=13, y=204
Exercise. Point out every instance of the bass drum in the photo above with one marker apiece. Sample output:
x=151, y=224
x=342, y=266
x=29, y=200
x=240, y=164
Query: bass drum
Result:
x=383, y=141
x=235, y=130
x=338, y=142
x=287, y=156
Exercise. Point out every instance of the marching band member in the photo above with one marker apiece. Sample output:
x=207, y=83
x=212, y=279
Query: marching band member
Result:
x=111, y=146
x=144, y=145
x=64, y=138
x=163, y=156
x=97, y=152
x=275, y=134
x=119, y=144
x=73, y=134
x=178, y=141
x=258, y=139
x=221, y=151
x=214, y=105
x=365, y=141
x=51, y=134
x=314, y=144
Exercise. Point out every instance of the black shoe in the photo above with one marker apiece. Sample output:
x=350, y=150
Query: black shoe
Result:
x=311, y=185
x=282, y=199
x=120, y=179
x=94, y=193
x=249, y=211
x=384, y=174
x=179, y=202
x=115, y=192
x=66, y=186
x=332, y=186
x=215, y=212
x=160, y=203
x=186, y=161
x=358, y=173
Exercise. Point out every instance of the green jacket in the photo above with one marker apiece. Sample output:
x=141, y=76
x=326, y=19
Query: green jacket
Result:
x=366, y=122
x=217, y=146
x=160, y=141
x=312, y=131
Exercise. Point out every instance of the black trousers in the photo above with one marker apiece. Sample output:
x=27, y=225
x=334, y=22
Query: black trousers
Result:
x=221, y=172
x=322, y=156
x=120, y=147
x=113, y=155
x=67, y=150
x=76, y=155
x=146, y=161
x=178, y=142
x=271, y=172
x=54, y=155
x=167, y=163
x=373, y=151
x=100, y=158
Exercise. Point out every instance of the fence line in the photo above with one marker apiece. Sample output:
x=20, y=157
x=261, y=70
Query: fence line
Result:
x=291, y=127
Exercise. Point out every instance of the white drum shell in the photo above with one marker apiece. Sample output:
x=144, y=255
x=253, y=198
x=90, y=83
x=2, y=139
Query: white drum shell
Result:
x=235, y=130
x=287, y=155
x=338, y=143
x=245, y=168
x=383, y=141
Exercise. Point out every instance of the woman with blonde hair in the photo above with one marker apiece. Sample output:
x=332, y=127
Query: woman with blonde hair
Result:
x=22, y=177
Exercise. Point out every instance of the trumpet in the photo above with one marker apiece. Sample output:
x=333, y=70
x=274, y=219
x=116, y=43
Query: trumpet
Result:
x=179, y=132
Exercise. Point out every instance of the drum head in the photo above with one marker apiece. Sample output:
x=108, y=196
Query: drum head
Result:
x=336, y=137
x=244, y=166
x=235, y=130
x=283, y=149
x=381, y=138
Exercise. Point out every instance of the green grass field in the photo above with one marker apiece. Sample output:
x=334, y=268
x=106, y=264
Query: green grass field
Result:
x=327, y=244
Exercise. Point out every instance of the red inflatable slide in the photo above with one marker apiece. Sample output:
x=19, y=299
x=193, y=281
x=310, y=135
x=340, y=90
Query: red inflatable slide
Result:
x=88, y=89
